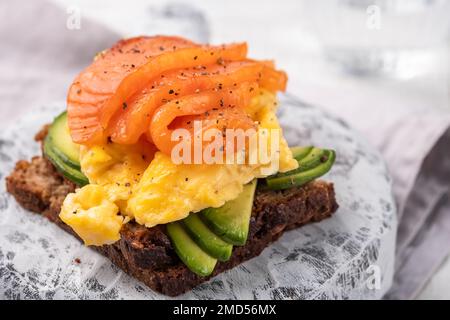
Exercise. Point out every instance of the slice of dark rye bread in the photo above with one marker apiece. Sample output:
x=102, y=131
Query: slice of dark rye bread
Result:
x=146, y=253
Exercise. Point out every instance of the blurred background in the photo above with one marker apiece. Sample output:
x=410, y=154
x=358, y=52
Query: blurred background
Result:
x=381, y=65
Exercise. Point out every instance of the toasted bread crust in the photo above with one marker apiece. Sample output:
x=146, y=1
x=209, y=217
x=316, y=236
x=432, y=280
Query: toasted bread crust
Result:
x=147, y=254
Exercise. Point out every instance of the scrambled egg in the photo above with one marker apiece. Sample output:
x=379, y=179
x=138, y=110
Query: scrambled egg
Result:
x=137, y=182
x=92, y=215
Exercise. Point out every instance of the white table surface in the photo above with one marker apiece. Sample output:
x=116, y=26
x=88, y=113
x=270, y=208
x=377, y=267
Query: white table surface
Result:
x=310, y=77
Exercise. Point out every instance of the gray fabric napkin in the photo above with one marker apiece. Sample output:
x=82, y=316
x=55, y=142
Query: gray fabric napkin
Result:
x=421, y=173
x=40, y=57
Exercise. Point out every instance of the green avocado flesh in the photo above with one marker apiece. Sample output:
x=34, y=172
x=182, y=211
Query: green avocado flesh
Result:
x=62, y=152
x=203, y=237
x=300, y=152
x=231, y=221
x=308, y=161
x=67, y=171
x=197, y=260
x=206, y=239
x=314, y=165
x=61, y=141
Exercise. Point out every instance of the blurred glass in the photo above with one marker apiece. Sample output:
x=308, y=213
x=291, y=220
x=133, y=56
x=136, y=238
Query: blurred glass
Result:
x=177, y=18
x=397, y=38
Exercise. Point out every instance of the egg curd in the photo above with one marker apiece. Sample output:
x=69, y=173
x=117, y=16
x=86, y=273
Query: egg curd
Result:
x=138, y=182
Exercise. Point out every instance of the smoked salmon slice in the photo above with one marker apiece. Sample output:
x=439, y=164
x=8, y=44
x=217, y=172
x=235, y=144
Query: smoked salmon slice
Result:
x=213, y=109
x=116, y=97
x=128, y=125
x=125, y=69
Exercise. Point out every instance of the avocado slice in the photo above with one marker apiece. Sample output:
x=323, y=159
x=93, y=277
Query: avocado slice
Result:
x=231, y=221
x=300, y=152
x=300, y=177
x=62, y=152
x=197, y=260
x=61, y=142
x=67, y=171
x=206, y=239
x=309, y=161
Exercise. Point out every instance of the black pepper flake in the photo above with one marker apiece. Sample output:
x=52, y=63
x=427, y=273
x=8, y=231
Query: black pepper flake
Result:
x=77, y=260
x=186, y=179
x=171, y=91
x=221, y=102
x=124, y=105
x=161, y=48
x=195, y=58
x=127, y=185
x=133, y=66
x=109, y=140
